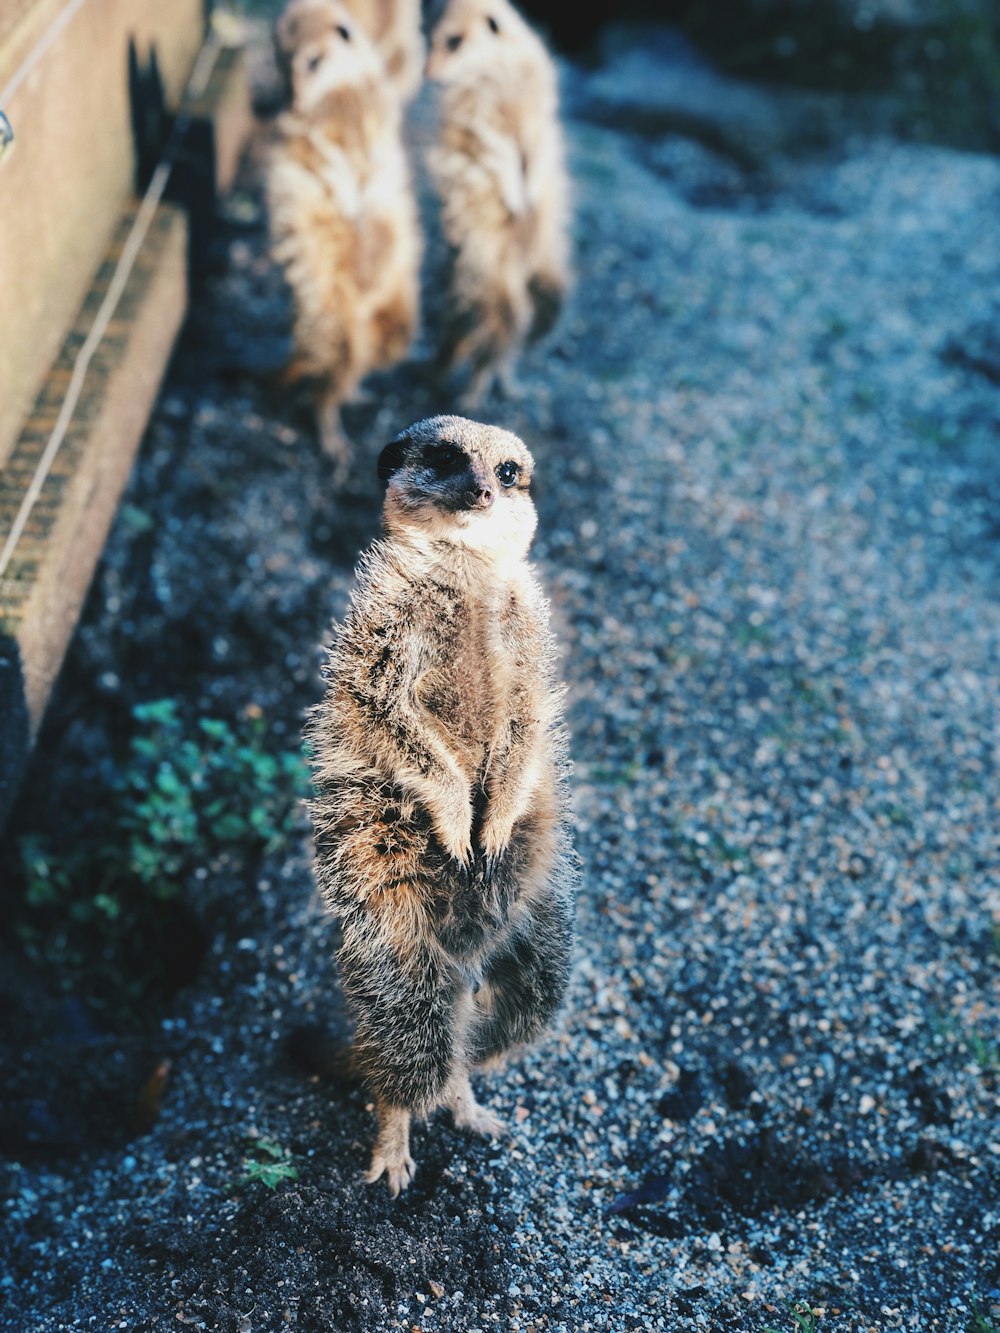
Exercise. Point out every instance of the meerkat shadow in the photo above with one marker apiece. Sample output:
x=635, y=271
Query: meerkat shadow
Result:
x=323, y=1051
x=263, y=359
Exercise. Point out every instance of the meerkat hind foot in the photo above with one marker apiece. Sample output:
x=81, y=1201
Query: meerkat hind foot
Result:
x=398, y=1173
x=478, y=385
x=510, y=385
x=391, y=1154
x=336, y=445
x=468, y=1114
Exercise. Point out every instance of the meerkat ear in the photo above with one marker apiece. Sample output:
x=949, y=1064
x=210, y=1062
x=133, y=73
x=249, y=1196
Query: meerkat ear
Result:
x=392, y=457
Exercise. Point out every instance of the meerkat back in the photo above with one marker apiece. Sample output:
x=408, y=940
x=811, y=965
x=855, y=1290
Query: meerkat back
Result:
x=499, y=170
x=440, y=813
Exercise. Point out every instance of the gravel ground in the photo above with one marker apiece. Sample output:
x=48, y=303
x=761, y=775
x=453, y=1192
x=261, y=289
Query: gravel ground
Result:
x=766, y=434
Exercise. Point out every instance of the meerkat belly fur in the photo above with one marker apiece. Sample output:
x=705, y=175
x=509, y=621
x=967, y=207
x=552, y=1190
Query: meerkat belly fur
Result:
x=440, y=808
x=498, y=167
x=393, y=25
x=343, y=221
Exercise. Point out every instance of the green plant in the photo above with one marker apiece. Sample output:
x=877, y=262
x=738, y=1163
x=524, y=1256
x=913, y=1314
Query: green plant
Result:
x=980, y=1322
x=986, y=1053
x=97, y=899
x=268, y=1163
x=184, y=797
x=804, y=1317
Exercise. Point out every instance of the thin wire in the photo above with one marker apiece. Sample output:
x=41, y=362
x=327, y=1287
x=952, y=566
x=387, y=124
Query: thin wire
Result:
x=38, y=50
x=196, y=85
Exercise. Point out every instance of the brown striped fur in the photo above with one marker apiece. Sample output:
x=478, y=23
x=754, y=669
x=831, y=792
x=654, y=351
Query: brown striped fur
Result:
x=440, y=811
x=498, y=168
x=343, y=221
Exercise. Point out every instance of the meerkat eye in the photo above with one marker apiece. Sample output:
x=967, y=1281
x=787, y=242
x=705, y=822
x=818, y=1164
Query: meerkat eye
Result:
x=508, y=473
x=494, y=25
x=454, y=41
x=343, y=32
x=445, y=459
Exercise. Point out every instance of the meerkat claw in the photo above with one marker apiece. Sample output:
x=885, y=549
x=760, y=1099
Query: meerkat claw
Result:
x=398, y=1174
x=464, y=858
x=490, y=863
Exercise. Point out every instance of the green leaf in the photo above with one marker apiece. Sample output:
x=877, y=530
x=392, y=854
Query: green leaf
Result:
x=157, y=712
x=216, y=730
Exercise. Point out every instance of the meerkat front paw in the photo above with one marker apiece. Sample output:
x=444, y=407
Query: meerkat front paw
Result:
x=495, y=836
x=453, y=825
x=398, y=1171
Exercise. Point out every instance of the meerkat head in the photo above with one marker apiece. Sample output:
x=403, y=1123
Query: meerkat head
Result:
x=458, y=481
x=472, y=36
x=333, y=52
x=302, y=20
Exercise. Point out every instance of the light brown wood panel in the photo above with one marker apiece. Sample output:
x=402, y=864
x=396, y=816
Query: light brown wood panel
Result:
x=70, y=171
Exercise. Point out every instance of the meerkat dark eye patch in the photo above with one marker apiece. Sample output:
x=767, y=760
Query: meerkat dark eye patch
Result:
x=447, y=460
x=508, y=473
x=392, y=457
x=454, y=41
x=343, y=32
x=494, y=25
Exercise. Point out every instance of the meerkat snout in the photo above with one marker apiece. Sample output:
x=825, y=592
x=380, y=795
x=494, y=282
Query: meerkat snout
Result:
x=478, y=485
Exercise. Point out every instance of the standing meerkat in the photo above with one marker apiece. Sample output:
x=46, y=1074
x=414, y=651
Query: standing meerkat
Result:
x=439, y=763
x=393, y=25
x=499, y=171
x=344, y=221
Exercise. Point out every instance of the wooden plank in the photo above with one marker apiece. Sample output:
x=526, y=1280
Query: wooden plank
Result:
x=46, y=582
x=71, y=168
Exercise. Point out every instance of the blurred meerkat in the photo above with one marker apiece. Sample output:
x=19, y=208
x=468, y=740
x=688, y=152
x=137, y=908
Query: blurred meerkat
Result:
x=499, y=171
x=343, y=221
x=440, y=811
x=393, y=25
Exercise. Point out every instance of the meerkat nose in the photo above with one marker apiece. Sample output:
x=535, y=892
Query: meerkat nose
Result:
x=482, y=497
